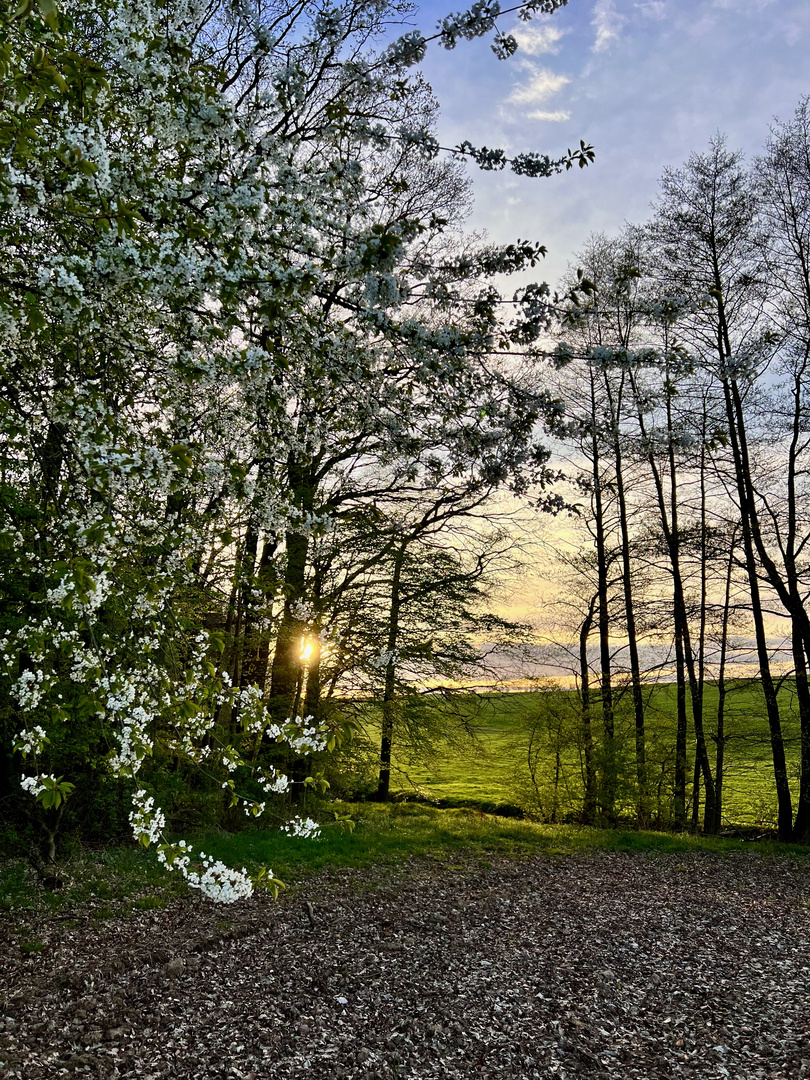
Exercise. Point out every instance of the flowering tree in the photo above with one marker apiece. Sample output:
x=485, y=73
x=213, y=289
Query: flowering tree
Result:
x=173, y=210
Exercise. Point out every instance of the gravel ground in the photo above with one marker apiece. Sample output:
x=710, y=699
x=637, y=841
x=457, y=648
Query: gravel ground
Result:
x=605, y=966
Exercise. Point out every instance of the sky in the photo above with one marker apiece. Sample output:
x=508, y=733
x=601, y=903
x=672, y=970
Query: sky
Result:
x=647, y=82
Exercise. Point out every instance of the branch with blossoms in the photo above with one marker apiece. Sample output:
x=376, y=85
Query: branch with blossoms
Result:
x=478, y=21
x=198, y=741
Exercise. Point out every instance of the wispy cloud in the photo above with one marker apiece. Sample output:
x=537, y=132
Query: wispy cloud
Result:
x=536, y=38
x=542, y=85
x=607, y=22
x=653, y=9
x=743, y=6
x=557, y=117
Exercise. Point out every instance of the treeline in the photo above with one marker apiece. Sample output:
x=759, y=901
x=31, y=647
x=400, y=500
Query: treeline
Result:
x=685, y=377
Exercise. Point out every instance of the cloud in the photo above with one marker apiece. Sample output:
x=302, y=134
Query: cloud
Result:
x=542, y=85
x=743, y=6
x=607, y=22
x=554, y=117
x=653, y=9
x=536, y=38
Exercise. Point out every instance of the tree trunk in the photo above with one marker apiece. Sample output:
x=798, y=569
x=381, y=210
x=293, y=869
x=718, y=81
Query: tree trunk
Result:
x=389, y=692
x=710, y=816
x=256, y=637
x=720, y=735
x=609, y=779
x=786, y=583
x=642, y=798
x=682, y=625
x=743, y=478
x=684, y=658
x=589, y=805
x=801, y=826
x=286, y=670
x=679, y=797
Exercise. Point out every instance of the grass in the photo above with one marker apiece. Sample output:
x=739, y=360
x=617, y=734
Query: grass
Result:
x=113, y=881
x=389, y=833
x=31, y=947
x=477, y=763
x=384, y=834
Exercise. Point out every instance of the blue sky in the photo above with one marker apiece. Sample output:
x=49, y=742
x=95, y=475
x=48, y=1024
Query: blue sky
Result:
x=646, y=81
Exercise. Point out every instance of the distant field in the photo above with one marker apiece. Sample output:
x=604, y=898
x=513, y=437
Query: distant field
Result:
x=493, y=739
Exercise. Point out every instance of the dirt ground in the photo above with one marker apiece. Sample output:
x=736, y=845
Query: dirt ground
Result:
x=605, y=966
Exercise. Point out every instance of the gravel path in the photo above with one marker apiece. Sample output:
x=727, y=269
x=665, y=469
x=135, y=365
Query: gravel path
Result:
x=605, y=966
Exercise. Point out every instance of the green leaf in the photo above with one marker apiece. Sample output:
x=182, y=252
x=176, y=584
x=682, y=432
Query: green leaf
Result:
x=181, y=457
x=50, y=13
x=54, y=792
x=24, y=10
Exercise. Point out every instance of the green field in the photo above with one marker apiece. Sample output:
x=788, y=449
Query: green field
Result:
x=524, y=750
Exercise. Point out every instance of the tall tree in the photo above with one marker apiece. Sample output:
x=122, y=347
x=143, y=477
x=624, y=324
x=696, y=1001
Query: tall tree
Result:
x=704, y=227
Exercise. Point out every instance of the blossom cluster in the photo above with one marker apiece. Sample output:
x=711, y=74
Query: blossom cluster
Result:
x=302, y=827
x=147, y=820
x=31, y=741
x=306, y=737
x=212, y=877
x=34, y=784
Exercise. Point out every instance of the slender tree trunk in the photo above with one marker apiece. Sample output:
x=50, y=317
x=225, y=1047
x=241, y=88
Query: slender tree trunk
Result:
x=682, y=624
x=786, y=583
x=801, y=826
x=710, y=816
x=721, y=696
x=785, y=175
x=684, y=658
x=696, y=796
x=389, y=693
x=679, y=800
x=247, y=569
x=256, y=665
x=51, y=462
x=286, y=670
x=697, y=675
x=737, y=435
x=784, y=806
x=609, y=783
x=643, y=798
x=589, y=805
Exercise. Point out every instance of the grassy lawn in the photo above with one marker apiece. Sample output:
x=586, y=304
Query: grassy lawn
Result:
x=401, y=830
x=123, y=880
x=480, y=762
